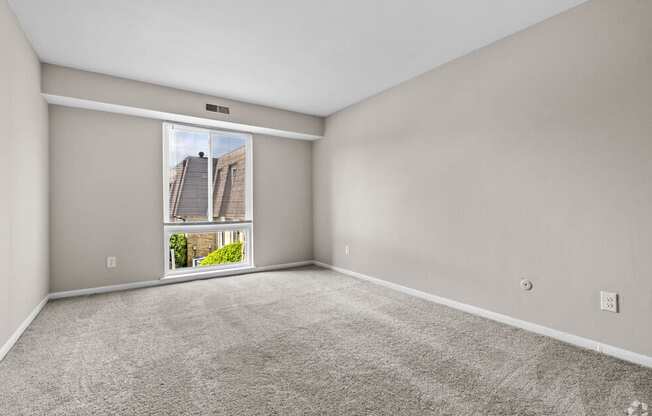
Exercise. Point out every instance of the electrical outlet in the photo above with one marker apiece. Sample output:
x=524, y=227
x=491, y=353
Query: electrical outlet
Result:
x=609, y=301
x=111, y=262
x=346, y=250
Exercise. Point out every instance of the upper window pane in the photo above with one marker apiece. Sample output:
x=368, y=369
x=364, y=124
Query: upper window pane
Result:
x=188, y=163
x=229, y=168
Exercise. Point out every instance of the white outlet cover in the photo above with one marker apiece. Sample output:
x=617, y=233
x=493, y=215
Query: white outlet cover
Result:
x=609, y=301
x=111, y=262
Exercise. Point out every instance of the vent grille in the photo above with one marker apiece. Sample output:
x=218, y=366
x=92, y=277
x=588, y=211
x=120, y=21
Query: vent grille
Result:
x=218, y=109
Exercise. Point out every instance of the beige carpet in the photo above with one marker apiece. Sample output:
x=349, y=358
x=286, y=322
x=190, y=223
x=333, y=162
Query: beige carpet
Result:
x=299, y=342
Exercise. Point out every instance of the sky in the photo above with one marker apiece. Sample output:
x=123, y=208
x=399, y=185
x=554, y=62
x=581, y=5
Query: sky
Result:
x=190, y=143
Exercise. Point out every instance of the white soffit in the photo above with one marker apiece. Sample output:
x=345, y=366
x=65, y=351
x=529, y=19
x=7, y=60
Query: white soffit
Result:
x=179, y=118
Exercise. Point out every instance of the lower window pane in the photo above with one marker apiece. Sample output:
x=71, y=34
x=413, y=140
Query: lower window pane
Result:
x=207, y=249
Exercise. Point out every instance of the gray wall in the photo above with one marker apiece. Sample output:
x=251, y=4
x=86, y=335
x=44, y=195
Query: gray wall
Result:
x=529, y=158
x=24, y=184
x=86, y=85
x=107, y=199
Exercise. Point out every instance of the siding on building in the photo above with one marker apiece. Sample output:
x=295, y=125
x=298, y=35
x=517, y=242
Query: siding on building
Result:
x=188, y=188
x=229, y=185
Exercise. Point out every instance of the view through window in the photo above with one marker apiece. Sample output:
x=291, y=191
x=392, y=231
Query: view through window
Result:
x=207, y=198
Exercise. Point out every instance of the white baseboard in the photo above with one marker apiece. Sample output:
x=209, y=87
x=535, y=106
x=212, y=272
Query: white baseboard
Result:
x=528, y=326
x=175, y=279
x=582, y=342
x=103, y=289
x=284, y=266
x=19, y=331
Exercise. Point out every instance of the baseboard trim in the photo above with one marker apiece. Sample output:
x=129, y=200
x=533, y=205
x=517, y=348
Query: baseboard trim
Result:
x=174, y=279
x=23, y=326
x=284, y=266
x=576, y=340
x=103, y=289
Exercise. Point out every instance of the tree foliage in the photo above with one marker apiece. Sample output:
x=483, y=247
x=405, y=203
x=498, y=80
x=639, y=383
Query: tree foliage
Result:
x=179, y=244
x=230, y=253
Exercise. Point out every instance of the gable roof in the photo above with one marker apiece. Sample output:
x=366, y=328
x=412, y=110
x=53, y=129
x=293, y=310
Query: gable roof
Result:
x=188, y=187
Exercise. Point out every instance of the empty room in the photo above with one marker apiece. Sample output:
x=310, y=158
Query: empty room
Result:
x=368, y=207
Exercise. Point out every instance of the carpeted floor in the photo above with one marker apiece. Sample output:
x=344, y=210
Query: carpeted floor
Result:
x=299, y=342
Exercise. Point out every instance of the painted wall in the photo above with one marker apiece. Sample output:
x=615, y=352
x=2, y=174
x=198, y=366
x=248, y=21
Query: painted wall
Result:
x=107, y=199
x=68, y=82
x=528, y=158
x=24, y=184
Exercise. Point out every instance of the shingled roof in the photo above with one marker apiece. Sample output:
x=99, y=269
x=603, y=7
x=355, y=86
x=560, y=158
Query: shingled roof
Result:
x=188, y=187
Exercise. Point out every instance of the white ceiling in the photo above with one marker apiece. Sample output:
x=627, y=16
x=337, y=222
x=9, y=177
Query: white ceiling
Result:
x=311, y=56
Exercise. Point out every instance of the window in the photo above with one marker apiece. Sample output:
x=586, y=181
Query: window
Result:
x=205, y=247
x=233, y=172
x=207, y=209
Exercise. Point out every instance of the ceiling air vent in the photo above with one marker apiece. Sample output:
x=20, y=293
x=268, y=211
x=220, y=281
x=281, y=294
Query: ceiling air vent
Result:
x=218, y=109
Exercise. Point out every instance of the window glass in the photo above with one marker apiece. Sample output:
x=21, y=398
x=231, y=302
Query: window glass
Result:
x=188, y=176
x=193, y=250
x=207, y=183
x=229, y=185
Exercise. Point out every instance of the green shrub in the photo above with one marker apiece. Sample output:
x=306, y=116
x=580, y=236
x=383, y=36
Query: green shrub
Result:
x=230, y=253
x=179, y=244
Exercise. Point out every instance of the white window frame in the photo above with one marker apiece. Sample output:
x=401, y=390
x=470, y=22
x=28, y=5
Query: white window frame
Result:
x=211, y=225
x=246, y=227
